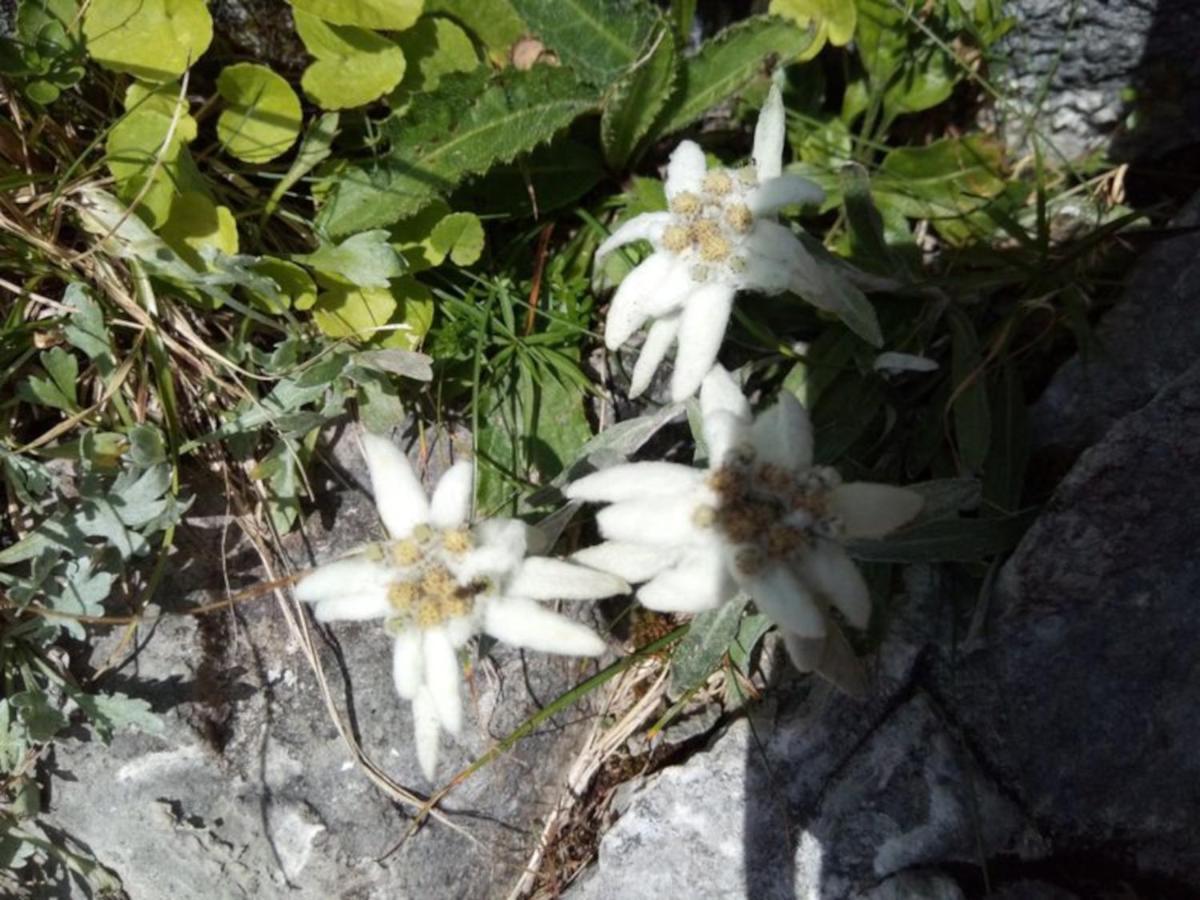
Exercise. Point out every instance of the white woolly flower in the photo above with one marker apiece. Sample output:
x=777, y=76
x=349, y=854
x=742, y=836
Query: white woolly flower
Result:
x=440, y=581
x=762, y=519
x=720, y=236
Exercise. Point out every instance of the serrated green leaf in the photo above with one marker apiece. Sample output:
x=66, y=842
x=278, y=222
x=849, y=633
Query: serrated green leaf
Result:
x=729, y=61
x=463, y=128
x=433, y=48
x=262, y=118
x=380, y=15
x=366, y=259
x=459, y=236
x=637, y=100
x=86, y=329
x=946, y=540
x=969, y=404
x=151, y=39
x=700, y=652
x=41, y=720
x=599, y=39
x=545, y=179
x=353, y=66
x=110, y=712
x=59, y=390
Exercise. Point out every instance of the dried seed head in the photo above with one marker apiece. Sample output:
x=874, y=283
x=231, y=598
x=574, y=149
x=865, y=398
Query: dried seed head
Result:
x=403, y=595
x=715, y=248
x=739, y=218
x=406, y=553
x=457, y=541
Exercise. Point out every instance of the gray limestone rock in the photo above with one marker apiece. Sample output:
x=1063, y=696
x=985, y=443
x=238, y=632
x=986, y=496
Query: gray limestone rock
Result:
x=1143, y=343
x=1084, y=696
x=1103, y=74
x=251, y=792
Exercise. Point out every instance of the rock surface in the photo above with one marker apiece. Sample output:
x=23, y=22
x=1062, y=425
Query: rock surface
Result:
x=251, y=792
x=1109, y=74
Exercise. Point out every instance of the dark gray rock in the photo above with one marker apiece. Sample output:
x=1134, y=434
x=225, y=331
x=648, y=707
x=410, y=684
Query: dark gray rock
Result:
x=251, y=792
x=1084, y=698
x=1103, y=74
x=1143, y=343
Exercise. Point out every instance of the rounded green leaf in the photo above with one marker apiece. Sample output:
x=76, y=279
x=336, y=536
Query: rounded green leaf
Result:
x=133, y=147
x=397, y=316
x=460, y=236
x=263, y=117
x=353, y=66
x=831, y=20
x=296, y=287
x=196, y=222
x=152, y=39
x=434, y=47
x=381, y=15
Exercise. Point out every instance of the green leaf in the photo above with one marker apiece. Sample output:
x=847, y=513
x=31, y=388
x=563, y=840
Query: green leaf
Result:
x=637, y=100
x=495, y=23
x=397, y=316
x=59, y=390
x=460, y=236
x=155, y=40
x=353, y=66
x=946, y=540
x=109, y=712
x=969, y=403
x=262, y=119
x=413, y=237
x=463, y=128
x=750, y=631
x=728, y=62
x=137, y=148
x=41, y=720
x=381, y=15
x=547, y=178
x=296, y=287
x=599, y=39
x=868, y=247
x=830, y=289
x=434, y=47
x=701, y=651
x=828, y=20
x=86, y=329
x=365, y=259
x=910, y=72
x=195, y=222
x=314, y=149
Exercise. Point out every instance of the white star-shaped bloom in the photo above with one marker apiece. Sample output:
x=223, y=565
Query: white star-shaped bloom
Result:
x=719, y=236
x=762, y=519
x=440, y=580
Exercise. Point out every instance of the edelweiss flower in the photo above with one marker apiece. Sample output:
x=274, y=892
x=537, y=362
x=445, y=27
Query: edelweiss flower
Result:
x=719, y=237
x=440, y=581
x=762, y=519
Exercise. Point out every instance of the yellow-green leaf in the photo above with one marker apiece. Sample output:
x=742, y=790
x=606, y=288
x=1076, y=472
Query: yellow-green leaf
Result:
x=413, y=237
x=381, y=15
x=352, y=67
x=137, y=149
x=495, y=23
x=459, y=235
x=262, y=119
x=296, y=287
x=196, y=222
x=830, y=20
x=396, y=316
x=155, y=40
x=434, y=47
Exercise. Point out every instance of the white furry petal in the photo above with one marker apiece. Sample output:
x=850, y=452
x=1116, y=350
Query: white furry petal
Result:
x=701, y=330
x=685, y=170
x=633, y=562
x=646, y=227
x=785, y=190
x=450, y=506
x=426, y=732
x=408, y=664
x=500, y=546
x=769, y=133
x=783, y=599
x=634, y=480
x=399, y=497
x=345, y=579
x=523, y=623
x=699, y=581
x=828, y=570
x=724, y=433
x=443, y=678
x=720, y=392
x=657, y=521
x=873, y=510
x=544, y=578
x=628, y=310
x=658, y=341
x=782, y=435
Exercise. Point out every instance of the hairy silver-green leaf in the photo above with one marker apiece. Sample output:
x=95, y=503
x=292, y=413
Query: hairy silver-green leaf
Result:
x=705, y=645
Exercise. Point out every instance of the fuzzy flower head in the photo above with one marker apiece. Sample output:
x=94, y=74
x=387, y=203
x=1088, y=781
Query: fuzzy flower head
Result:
x=440, y=580
x=762, y=519
x=719, y=236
